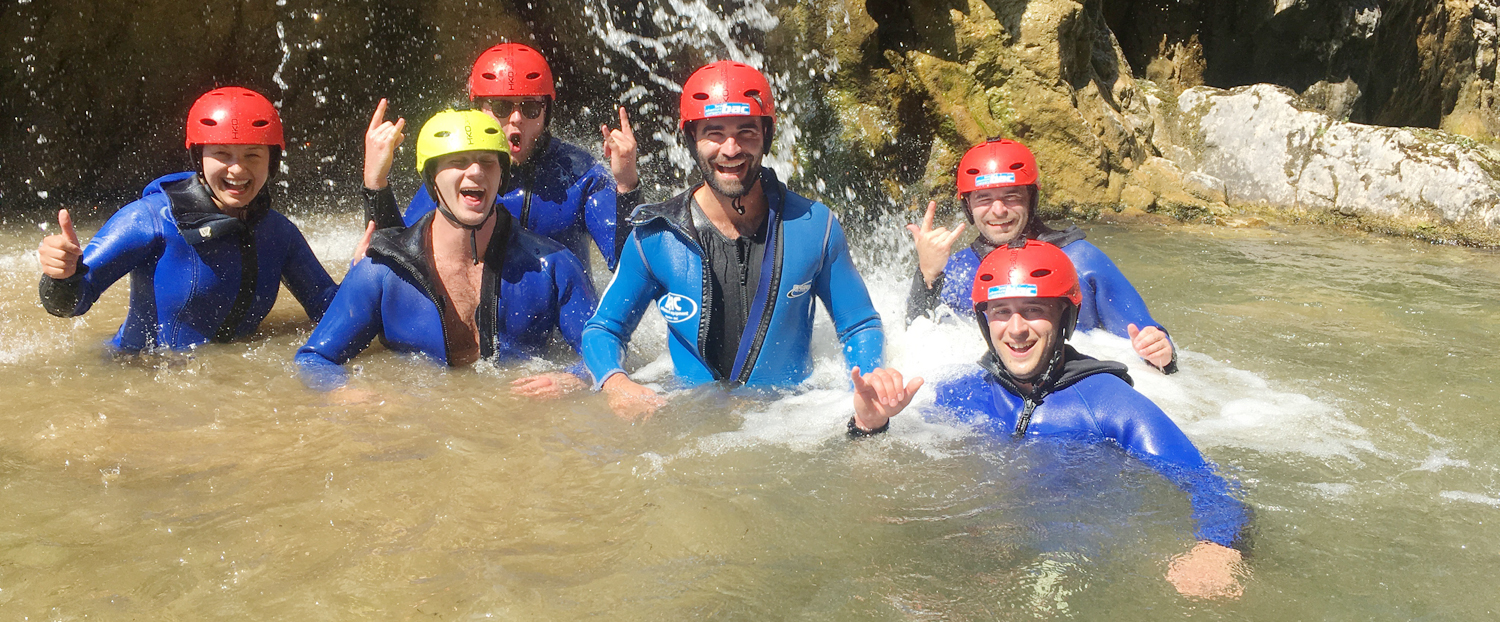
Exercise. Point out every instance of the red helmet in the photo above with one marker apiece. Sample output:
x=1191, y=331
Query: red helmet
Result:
x=996, y=164
x=234, y=116
x=725, y=88
x=1035, y=270
x=511, y=70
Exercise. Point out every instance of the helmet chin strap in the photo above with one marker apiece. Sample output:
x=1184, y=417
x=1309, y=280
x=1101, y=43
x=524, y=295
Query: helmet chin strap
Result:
x=442, y=208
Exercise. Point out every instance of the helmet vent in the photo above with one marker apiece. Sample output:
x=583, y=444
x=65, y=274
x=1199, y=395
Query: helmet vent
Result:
x=207, y=121
x=700, y=96
x=488, y=75
x=1040, y=272
x=443, y=134
x=491, y=130
x=986, y=277
x=533, y=75
x=972, y=171
x=755, y=95
x=1016, y=166
x=260, y=123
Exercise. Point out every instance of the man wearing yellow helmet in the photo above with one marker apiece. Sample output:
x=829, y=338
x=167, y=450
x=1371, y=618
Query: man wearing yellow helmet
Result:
x=463, y=283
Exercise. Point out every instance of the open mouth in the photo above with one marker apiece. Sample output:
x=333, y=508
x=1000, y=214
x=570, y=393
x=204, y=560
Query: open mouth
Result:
x=472, y=196
x=731, y=171
x=236, y=186
x=515, y=142
x=1020, y=350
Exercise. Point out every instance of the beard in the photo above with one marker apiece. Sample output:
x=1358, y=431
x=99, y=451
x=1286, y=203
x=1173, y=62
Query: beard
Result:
x=731, y=189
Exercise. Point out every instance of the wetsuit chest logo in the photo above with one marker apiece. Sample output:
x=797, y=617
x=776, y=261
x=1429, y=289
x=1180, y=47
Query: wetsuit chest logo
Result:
x=677, y=307
x=799, y=289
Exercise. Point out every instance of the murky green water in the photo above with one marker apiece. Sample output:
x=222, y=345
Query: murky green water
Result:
x=1344, y=382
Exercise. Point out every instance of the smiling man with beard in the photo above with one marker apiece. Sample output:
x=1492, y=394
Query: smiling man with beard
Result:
x=733, y=264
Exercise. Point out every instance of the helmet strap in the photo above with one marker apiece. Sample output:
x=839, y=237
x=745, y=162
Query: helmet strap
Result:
x=473, y=230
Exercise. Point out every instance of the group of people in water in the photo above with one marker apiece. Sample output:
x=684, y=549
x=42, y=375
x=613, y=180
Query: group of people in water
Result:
x=489, y=261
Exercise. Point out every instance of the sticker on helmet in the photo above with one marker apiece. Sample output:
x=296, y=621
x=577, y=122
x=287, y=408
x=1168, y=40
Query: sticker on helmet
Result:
x=1011, y=291
x=726, y=109
x=995, y=178
x=677, y=307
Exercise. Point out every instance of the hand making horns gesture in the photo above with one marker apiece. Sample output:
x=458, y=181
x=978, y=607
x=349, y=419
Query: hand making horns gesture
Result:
x=619, y=147
x=933, y=245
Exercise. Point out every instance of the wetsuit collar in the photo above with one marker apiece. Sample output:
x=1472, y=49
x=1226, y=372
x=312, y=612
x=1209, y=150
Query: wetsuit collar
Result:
x=199, y=218
x=1074, y=367
x=677, y=211
x=407, y=248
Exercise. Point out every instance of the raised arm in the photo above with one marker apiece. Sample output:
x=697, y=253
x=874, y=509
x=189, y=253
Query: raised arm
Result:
x=72, y=280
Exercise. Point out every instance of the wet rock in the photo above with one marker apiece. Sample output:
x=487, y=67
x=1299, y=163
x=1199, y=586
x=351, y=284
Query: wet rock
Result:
x=1265, y=149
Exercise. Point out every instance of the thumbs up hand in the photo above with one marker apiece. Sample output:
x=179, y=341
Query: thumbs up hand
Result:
x=59, y=253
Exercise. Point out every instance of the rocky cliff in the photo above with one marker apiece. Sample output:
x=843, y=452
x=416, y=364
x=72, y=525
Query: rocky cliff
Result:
x=1123, y=100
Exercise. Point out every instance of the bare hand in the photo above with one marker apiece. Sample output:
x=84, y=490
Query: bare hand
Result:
x=59, y=253
x=547, y=386
x=1151, y=344
x=381, y=140
x=879, y=395
x=1207, y=571
x=629, y=400
x=364, y=244
x=619, y=147
x=933, y=245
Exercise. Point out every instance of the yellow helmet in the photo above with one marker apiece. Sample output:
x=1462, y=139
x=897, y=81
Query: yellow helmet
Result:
x=453, y=131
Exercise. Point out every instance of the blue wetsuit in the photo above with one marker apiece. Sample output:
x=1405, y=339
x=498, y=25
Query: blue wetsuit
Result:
x=189, y=282
x=1109, y=302
x=560, y=192
x=1094, y=399
x=805, y=257
x=531, y=286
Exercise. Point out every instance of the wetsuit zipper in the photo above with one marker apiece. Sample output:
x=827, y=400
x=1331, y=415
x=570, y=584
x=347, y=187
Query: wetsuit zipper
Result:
x=249, y=271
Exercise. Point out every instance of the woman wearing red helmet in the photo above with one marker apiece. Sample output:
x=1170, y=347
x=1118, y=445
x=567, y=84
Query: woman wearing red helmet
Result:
x=997, y=184
x=205, y=252
x=1033, y=387
x=556, y=189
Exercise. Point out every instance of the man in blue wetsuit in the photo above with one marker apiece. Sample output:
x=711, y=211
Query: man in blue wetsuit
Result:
x=205, y=252
x=997, y=185
x=555, y=188
x=463, y=283
x=1033, y=385
x=733, y=264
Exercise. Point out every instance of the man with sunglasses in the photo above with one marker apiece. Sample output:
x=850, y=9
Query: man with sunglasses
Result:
x=555, y=189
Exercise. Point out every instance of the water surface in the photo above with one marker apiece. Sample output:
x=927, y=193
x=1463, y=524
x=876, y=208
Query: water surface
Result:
x=1344, y=382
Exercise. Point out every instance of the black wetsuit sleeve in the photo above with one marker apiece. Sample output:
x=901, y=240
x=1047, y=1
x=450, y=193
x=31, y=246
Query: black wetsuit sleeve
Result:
x=60, y=296
x=923, y=299
x=380, y=208
x=625, y=203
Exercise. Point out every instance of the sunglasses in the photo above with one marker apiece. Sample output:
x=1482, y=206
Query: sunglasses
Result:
x=502, y=108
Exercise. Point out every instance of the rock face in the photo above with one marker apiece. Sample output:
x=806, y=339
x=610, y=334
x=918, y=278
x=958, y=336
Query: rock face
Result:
x=1259, y=146
x=878, y=98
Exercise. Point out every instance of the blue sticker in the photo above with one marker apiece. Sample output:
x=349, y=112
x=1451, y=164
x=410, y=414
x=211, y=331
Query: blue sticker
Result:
x=726, y=109
x=677, y=307
x=1011, y=291
x=984, y=181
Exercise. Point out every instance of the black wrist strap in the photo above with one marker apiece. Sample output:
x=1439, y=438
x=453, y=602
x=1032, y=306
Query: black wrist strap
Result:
x=857, y=432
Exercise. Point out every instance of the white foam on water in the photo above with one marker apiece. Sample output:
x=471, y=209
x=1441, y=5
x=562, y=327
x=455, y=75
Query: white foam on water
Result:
x=1471, y=497
x=1214, y=403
